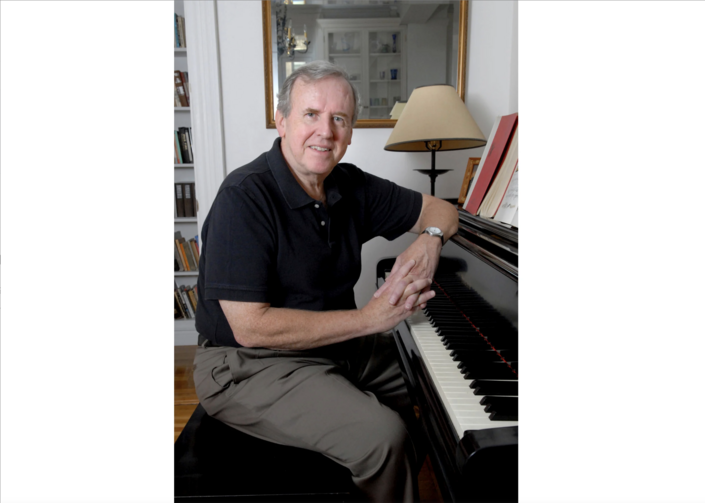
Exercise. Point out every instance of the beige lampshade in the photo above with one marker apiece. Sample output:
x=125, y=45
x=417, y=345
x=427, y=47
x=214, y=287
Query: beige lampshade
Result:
x=435, y=113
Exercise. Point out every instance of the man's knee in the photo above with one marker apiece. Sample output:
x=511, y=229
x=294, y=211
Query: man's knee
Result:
x=380, y=440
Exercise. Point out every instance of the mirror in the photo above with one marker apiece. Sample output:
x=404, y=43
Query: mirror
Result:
x=389, y=47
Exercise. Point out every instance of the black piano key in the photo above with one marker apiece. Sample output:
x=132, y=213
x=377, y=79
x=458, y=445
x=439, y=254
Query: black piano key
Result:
x=496, y=388
x=503, y=416
x=500, y=403
x=475, y=356
x=497, y=371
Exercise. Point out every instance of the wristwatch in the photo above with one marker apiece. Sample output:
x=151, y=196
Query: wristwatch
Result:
x=434, y=231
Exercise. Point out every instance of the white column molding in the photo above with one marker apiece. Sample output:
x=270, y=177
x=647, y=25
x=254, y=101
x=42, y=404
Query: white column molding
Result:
x=206, y=102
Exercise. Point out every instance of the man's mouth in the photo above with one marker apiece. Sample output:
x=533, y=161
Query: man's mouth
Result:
x=319, y=149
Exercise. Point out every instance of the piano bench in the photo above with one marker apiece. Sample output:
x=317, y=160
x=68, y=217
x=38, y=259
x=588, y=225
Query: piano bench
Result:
x=218, y=464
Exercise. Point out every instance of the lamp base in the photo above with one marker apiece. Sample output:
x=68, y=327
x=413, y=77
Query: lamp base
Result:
x=433, y=173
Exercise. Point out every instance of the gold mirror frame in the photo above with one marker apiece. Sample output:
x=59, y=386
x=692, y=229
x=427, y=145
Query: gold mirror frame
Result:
x=361, y=123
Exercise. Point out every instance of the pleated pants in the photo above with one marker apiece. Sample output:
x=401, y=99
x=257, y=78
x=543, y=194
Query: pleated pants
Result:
x=347, y=401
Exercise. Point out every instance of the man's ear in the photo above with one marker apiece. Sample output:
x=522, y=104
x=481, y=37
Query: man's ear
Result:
x=280, y=122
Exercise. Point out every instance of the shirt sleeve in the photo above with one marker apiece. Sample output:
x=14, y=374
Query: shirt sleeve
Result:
x=241, y=249
x=391, y=210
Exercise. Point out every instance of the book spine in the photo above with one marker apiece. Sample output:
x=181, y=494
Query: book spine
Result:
x=177, y=148
x=184, y=78
x=183, y=141
x=187, y=304
x=177, y=42
x=177, y=257
x=179, y=312
x=187, y=263
x=188, y=201
x=179, y=86
x=181, y=22
x=193, y=265
x=194, y=249
x=193, y=299
x=179, y=194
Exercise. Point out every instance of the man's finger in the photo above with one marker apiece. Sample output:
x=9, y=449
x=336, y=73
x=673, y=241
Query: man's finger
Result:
x=400, y=282
x=397, y=271
x=414, y=290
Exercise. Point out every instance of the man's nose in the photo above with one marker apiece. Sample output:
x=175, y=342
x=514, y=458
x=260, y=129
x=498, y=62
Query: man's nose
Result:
x=325, y=128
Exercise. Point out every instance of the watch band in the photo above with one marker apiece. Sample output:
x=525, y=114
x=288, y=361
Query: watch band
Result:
x=434, y=231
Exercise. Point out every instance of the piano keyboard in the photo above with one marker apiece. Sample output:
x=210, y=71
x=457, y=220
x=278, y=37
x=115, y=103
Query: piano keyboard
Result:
x=492, y=402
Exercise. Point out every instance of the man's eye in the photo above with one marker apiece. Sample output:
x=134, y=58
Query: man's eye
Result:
x=310, y=114
x=340, y=119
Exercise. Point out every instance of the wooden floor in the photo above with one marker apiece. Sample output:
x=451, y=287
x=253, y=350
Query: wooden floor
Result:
x=186, y=401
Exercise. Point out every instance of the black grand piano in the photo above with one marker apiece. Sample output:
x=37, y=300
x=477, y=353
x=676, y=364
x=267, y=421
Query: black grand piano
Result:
x=460, y=362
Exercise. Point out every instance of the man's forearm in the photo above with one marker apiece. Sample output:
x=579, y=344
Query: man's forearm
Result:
x=259, y=325
x=294, y=329
x=437, y=213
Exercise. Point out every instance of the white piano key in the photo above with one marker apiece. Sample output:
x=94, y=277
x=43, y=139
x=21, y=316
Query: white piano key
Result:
x=462, y=405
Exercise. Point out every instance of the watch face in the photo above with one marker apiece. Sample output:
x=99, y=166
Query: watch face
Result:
x=433, y=231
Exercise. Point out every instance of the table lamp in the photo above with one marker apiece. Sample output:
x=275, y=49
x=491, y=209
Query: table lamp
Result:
x=434, y=118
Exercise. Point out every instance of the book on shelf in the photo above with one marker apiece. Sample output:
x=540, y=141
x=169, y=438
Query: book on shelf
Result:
x=179, y=311
x=188, y=252
x=178, y=158
x=499, y=185
x=187, y=88
x=491, y=164
x=178, y=262
x=190, y=308
x=180, y=90
x=188, y=200
x=179, y=31
x=508, y=210
x=184, y=137
x=194, y=248
x=179, y=196
x=184, y=248
x=185, y=202
x=193, y=298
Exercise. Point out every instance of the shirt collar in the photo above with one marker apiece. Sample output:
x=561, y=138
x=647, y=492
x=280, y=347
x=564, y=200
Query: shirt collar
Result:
x=294, y=195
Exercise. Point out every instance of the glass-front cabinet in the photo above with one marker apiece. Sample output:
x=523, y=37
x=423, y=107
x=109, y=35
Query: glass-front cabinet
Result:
x=372, y=52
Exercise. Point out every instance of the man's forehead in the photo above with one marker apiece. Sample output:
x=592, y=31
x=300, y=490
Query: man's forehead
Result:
x=301, y=85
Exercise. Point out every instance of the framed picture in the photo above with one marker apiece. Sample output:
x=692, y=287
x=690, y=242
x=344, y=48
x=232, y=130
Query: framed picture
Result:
x=473, y=162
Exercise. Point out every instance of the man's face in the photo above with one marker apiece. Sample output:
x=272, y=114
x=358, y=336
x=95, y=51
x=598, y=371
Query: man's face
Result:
x=318, y=130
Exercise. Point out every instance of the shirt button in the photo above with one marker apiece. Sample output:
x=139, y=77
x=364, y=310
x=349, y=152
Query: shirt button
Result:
x=323, y=222
x=316, y=206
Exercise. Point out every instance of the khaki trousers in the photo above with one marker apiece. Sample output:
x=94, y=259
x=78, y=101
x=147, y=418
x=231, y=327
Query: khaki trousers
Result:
x=345, y=401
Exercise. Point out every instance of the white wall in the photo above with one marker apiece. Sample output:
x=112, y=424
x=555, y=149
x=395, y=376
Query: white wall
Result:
x=490, y=92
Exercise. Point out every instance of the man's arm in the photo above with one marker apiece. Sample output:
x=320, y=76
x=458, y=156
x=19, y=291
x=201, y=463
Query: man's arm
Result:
x=257, y=324
x=425, y=251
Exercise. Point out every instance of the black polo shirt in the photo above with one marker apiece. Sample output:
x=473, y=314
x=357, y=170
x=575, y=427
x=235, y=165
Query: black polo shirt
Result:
x=266, y=240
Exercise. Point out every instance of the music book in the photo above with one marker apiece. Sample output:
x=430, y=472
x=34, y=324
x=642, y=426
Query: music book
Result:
x=478, y=170
x=492, y=163
x=509, y=207
x=499, y=185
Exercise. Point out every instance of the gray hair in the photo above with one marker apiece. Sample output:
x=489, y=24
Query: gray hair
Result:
x=312, y=72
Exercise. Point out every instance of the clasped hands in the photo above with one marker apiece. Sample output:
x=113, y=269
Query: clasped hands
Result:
x=408, y=287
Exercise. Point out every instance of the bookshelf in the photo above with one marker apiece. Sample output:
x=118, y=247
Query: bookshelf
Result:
x=184, y=329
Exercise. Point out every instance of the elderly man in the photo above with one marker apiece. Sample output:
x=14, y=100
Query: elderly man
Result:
x=285, y=355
